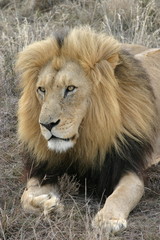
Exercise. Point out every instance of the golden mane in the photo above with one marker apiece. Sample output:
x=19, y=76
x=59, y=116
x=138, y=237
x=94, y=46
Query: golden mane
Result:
x=121, y=104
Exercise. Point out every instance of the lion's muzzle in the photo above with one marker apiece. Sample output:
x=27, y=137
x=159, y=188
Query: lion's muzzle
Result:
x=55, y=140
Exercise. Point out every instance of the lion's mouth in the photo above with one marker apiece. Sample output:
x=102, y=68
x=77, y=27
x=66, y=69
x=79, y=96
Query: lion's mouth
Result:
x=63, y=139
x=60, y=145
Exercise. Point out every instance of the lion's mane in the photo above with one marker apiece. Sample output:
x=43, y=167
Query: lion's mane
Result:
x=118, y=130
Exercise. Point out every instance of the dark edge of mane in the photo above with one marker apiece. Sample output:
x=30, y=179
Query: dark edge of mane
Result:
x=100, y=181
x=132, y=157
x=141, y=73
x=60, y=35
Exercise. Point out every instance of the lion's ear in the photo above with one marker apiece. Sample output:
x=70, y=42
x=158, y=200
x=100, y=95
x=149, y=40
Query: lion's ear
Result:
x=114, y=60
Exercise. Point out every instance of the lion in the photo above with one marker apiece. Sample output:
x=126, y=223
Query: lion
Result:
x=89, y=108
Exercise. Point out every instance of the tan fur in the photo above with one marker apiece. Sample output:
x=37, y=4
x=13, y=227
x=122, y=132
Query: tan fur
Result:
x=36, y=198
x=87, y=58
x=112, y=217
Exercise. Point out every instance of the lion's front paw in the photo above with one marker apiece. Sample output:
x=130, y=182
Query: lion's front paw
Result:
x=45, y=202
x=107, y=223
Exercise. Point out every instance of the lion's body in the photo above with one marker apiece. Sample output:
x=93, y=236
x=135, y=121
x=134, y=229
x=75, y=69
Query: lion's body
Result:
x=95, y=114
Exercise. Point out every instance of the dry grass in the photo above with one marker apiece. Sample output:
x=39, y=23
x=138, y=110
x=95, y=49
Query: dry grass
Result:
x=22, y=22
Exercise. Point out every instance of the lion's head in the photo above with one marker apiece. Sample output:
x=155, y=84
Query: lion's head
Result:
x=75, y=96
x=64, y=97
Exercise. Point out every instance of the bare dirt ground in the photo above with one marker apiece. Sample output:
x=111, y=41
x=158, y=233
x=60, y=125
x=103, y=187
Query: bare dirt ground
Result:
x=22, y=22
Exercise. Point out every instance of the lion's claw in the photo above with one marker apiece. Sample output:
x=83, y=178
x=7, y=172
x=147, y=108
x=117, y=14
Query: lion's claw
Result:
x=38, y=198
x=53, y=204
x=109, y=225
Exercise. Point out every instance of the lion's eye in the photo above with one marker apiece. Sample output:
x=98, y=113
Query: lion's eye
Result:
x=69, y=89
x=41, y=91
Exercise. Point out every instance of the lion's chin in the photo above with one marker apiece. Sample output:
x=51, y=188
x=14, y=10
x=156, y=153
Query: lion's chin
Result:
x=60, y=145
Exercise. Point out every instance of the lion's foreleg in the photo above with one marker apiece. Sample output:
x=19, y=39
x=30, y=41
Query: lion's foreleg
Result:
x=112, y=217
x=37, y=198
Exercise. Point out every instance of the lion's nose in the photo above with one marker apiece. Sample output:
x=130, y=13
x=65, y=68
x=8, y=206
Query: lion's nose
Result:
x=49, y=126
